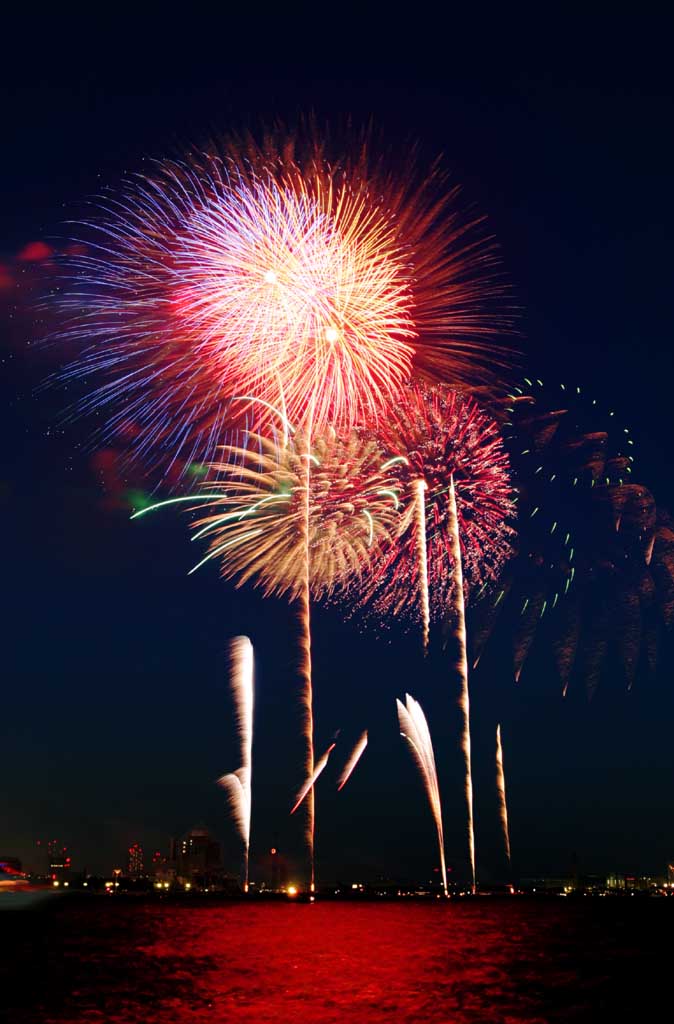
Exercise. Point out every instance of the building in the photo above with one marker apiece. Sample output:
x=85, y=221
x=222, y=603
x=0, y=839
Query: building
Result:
x=136, y=864
x=197, y=856
x=158, y=861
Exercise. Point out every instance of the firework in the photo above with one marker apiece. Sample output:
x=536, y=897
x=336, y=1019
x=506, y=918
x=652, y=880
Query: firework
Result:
x=253, y=513
x=300, y=521
x=414, y=728
x=501, y=788
x=595, y=552
x=437, y=436
x=419, y=505
x=238, y=784
x=459, y=617
x=353, y=760
x=302, y=281
x=269, y=522
x=308, y=786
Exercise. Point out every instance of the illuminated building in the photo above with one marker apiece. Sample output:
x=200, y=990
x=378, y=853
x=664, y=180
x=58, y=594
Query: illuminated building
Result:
x=197, y=855
x=136, y=861
x=158, y=859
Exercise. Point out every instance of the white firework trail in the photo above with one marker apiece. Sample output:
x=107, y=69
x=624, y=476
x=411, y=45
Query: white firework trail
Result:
x=355, y=757
x=309, y=784
x=501, y=787
x=414, y=728
x=422, y=553
x=237, y=784
x=462, y=665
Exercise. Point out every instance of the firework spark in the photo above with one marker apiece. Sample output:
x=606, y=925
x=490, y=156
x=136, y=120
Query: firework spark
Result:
x=501, y=788
x=308, y=786
x=353, y=760
x=435, y=436
x=414, y=728
x=238, y=784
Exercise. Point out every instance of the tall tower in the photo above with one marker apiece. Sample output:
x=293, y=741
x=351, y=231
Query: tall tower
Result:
x=136, y=861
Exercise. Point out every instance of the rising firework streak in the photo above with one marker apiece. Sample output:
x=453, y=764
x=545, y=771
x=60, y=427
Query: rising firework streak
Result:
x=459, y=609
x=414, y=728
x=422, y=564
x=238, y=784
x=501, y=787
x=356, y=755
x=309, y=784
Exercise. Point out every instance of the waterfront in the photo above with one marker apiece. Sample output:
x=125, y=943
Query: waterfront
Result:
x=494, y=961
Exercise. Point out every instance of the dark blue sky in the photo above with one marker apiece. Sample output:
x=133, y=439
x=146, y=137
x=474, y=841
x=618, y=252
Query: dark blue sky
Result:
x=115, y=715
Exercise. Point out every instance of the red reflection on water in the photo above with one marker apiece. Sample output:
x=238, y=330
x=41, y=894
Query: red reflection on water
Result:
x=339, y=963
x=459, y=962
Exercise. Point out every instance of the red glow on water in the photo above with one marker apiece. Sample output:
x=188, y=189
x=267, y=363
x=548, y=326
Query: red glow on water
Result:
x=257, y=962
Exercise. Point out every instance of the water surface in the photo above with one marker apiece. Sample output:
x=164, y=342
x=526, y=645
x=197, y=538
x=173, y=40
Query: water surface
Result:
x=492, y=961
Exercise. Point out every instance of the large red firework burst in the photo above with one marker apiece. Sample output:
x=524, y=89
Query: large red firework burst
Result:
x=438, y=436
x=308, y=284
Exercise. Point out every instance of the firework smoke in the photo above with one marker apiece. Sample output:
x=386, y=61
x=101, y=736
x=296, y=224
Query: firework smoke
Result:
x=414, y=728
x=238, y=784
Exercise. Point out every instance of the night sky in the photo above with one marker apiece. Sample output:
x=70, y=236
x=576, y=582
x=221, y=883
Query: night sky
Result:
x=115, y=717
